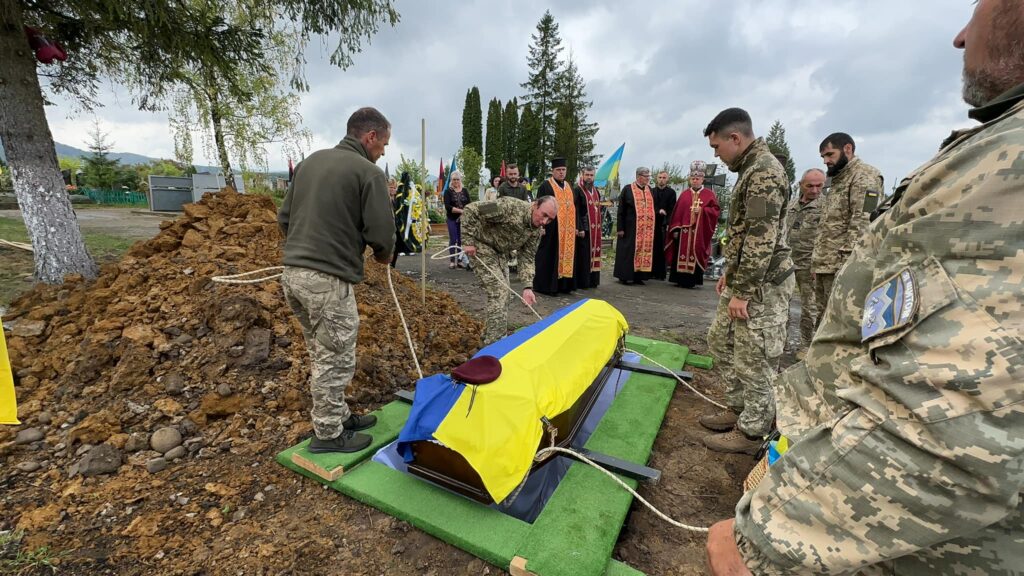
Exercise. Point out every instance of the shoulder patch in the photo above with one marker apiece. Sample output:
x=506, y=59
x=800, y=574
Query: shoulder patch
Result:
x=871, y=199
x=756, y=208
x=487, y=208
x=890, y=305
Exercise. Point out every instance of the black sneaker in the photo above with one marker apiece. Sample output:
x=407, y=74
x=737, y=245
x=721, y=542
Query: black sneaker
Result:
x=347, y=442
x=356, y=422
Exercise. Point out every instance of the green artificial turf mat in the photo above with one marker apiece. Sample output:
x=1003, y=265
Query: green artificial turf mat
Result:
x=698, y=361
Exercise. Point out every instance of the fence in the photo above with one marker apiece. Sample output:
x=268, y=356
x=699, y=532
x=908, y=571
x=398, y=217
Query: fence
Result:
x=116, y=197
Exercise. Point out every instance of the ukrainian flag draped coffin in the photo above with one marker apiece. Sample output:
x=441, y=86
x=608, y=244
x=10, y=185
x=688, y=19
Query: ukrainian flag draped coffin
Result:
x=545, y=368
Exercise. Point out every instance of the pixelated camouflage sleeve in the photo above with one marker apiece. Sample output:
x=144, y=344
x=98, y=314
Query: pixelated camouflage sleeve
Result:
x=865, y=180
x=527, y=256
x=470, y=225
x=765, y=198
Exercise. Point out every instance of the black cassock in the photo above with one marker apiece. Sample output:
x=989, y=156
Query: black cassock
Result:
x=664, y=199
x=625, y=247
x=581, y=259
x=545, y=278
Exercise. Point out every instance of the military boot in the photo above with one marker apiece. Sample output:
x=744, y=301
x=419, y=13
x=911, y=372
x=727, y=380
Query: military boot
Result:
x=720, y=421
x=347, y=442
x=734, y=442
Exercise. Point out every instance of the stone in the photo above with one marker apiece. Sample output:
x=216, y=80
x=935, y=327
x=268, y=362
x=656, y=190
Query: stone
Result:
x=165, y=439
x=141, y=333
x=155, y=465
x=175, y=453
x=102, y=459
x=28, y=466
x=29, y=435
x=136, y=442
x=44, y=417
x=95, y=428
x=223, y=390
x=28, y=328
x=174, y=383
x=168, y=406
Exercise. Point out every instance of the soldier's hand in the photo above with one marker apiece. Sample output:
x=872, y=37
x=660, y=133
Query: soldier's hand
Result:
x=738, y=309
x=720, y=285
x=529, y=297
x=723, y=556
x=469, y=250
x=620, y=233
x=382, y=257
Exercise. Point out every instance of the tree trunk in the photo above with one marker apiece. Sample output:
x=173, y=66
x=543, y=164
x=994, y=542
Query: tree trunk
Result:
x=45, y=207
x=218, y=134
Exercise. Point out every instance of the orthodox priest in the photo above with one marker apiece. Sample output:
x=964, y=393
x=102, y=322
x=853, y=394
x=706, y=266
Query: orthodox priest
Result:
x=587, y=269
x=634, y=250
x=556, y=254
x=664, y=199
x=694, y=218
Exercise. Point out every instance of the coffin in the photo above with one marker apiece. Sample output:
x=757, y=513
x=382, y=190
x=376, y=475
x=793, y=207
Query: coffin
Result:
x=480, y=440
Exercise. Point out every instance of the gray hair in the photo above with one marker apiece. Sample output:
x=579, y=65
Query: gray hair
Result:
x=457, y=174
x=588, y=168
x=809, y=170
x=643, y=171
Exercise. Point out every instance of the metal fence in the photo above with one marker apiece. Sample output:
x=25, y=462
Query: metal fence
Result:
x=116, y=197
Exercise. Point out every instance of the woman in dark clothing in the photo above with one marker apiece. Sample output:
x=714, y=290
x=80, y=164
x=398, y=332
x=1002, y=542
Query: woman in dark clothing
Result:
x=455, y=199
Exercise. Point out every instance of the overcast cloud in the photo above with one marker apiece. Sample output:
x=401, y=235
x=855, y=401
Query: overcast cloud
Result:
x=657, y=72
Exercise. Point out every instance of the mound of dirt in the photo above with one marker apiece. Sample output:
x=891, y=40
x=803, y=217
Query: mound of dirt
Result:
x=154, y=399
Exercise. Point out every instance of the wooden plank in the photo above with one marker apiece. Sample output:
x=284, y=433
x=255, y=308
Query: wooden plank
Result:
x=314, y=468
x=518, y=567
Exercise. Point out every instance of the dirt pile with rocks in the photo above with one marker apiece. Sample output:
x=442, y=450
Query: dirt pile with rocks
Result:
x=154, y=399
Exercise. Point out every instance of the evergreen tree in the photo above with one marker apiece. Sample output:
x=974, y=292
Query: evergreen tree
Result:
x=542, y=83
x=776, y=141
x=575, y=130
x=472, y=122
x=510, y=131
x=495, y=139
x=100, y=171
x=528, y=150
x=470, y=163
x=567, y=138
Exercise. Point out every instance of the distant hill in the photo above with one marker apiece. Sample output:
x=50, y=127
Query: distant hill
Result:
x=128, y=158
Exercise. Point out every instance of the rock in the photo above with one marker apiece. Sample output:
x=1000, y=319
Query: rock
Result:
x=103, y=459
x=192, y=239
x=223, y=390
x=136, y=442
x=167, y=406
x=175, y=453
x=29, y=435
x=28, y=328
x=164, y=439
x=44, y=417
x=188, y=427
x=95, y=428
x=174, y=383
x=140, y=333
x=398, y=548
x=257, y=346
x=259, y=497
x=155, y=465
x=28, y=466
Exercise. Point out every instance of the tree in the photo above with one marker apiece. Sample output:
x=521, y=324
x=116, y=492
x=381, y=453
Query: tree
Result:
x=99, y=171
x=146, y=47
x=528, y=148
x=776, y=141
x=572, y=94
x=509, y=130
x=470, y=162
x=417, y=171
x=567, y=138
x=72, y=165
x=155, y=168
x=676, y=174
x=542, y=83
x=495, y=140
x=472, y=122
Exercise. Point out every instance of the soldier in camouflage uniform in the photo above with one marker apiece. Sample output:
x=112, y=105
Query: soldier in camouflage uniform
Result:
x=908, y=414
x=802, y=224
x=749, y=330
x=495, y=230
x=855, y=192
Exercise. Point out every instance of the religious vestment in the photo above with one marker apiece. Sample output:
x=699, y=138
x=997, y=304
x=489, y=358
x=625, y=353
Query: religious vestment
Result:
x=688, y=243
x=556, y=252
x=664, y=200
x=634, y=250
x=588, y=248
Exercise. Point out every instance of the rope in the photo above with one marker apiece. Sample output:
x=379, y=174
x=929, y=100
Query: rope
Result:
x=585, y=460
x=446, y=253
x=18, y=245
x=242, y=278
x=405, y=327
x=683, y=382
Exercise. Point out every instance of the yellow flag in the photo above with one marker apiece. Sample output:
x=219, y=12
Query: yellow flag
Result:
x=8, y=403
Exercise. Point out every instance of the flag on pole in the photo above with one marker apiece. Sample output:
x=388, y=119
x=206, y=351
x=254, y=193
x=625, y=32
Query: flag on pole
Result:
x=448, y=178
x=8, y=403
x=440, y=178
x=387, y=171
x=291, y=169
x=610, y=169
x=502, y=173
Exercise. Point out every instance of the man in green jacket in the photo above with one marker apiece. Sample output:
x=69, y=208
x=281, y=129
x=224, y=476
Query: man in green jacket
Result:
x=337, y=205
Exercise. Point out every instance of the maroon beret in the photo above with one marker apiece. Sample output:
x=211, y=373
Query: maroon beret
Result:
x=479, y=370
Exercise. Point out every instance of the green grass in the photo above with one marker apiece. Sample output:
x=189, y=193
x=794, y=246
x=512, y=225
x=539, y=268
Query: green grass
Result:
x=14, y=560
x=101, y=246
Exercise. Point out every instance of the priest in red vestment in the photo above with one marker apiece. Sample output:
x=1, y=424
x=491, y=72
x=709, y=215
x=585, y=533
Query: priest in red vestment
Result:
x=688, y=242
x=634, y=248
x=588, y=241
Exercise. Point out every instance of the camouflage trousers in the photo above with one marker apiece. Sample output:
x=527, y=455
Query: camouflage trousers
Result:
x=748, y=351
x=809, y=311
x=498, y=296
x=822, y=289
x=325, y=306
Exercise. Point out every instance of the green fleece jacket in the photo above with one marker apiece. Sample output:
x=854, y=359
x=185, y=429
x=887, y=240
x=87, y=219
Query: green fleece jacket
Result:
x=337, y=205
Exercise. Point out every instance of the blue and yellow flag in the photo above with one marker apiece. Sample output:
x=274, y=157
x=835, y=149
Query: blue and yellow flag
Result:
x=610, y=169
x=8, y=403
x=545, y=368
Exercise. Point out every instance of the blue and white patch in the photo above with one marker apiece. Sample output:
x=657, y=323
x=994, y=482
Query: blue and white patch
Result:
x=890, y=305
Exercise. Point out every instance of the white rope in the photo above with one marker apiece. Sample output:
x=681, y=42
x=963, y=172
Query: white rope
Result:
x=405, y=327
x=584, y=459
x=446, y=253
x=18, y=245
x=676, y=376
x=243, y=277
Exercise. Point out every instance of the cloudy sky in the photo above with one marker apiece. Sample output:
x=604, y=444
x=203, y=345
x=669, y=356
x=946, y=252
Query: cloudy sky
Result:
x=657, y=72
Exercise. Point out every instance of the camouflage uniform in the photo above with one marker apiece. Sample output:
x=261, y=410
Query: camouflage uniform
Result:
x=802, y=224
x=908, y=413
x=853, y=195
x=498, y=229
x=325, y=306
x=759, y=270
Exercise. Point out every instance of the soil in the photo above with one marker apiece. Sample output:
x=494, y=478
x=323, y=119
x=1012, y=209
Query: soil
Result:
x=112, y=355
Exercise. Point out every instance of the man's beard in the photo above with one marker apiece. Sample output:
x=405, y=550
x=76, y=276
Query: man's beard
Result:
x=833, y=171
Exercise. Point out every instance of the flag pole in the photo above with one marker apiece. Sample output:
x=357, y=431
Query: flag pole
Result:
x=424, y=214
